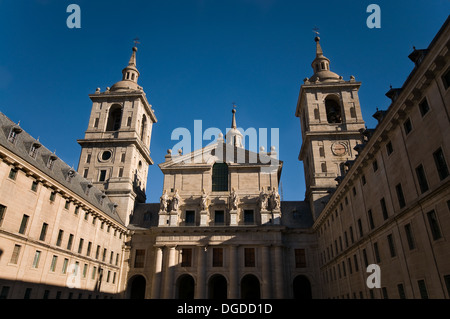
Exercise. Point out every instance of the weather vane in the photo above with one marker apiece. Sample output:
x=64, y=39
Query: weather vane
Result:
x=136, y=41
x=234, y=105
x=316, y=30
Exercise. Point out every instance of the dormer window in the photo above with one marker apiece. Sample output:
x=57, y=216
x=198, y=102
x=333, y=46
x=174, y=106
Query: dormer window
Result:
x=13, y=134
x=51, y=161
x=34, y=149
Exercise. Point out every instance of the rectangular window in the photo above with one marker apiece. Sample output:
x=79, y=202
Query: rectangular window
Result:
x=363, y=179
x=43, y=231
x=355, y=261
x=52, y=196
x=96, y=122
x=15, y=254
x=64, y=267
x=94, y=272
x=13, y=174
x=104, y=254
x=349, y=262
x=219, y=217
x=23, y=224
x=97, y=252
x=360, y=228
x=69, y=242
x=80, y=245
x=4, y=292
x=447, y=283
x=59, y=239
x=121, y=172
x=102, y=175
x=441, y=165
x=53, y=264
x=371, y=224
x=434, y=225
x=27, y=293
x=401, y=291
x=366, y=262
x=422, y=289
x=248, y=217
x=88, y=251
x=389, y=148
x=220, y=177
x=346, y=239
x=400, y=196
x=67, y=204
x=139, y=258
x=421, y=178
x=111, y=255
x=34, y=186
x=375, y=165
x=446, y=79
x=385, y=294
x=409, y=237
x=391, y=245
x=85, y=269
x=190, y=218
x=351, y=235
x=249, y=257
x=217, y=257
x=37, y=256
x=384, y=208
x=424, y=107
x=2, y=213
x=407, y=126
x=122, y=158
x=186, y=257
x=377, y=253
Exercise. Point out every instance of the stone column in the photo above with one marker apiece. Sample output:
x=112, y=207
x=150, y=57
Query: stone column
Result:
x=234, y=276
x=170, y=273
x=279, y=278
x=157, y=276
x=266, y=279
x=200, y=292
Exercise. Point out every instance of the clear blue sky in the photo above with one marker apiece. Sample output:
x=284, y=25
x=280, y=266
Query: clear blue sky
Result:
x=196, y=57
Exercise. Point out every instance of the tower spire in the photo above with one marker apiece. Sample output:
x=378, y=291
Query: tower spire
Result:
x=234, y=136
x=321, y=66
x=130, y=75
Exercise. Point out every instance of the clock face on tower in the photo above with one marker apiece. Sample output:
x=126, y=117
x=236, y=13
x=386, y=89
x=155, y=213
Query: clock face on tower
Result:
x=338, y=148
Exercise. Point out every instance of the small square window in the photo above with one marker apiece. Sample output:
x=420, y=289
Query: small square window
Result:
x=13, y=174
x=389, y=148
x=34, y=186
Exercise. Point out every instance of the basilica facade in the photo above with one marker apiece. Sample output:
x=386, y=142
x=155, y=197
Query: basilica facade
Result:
x=376, y=196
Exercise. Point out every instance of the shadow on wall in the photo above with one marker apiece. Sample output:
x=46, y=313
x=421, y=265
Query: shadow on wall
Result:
x=14, y=289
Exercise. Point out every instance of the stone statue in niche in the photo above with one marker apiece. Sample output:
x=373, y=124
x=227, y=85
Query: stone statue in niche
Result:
x=275, y=200
x=263, y=197
x=234, y=200
x=163, y=201
x=204, y=201
x=176, y=201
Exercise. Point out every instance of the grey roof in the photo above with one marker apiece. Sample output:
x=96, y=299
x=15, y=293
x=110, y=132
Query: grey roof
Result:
x=59, y=172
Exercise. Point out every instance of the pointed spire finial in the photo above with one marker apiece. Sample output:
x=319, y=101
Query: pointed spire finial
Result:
x=233, y=121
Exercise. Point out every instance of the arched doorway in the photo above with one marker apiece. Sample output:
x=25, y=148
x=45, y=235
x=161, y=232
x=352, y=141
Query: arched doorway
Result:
x=185, y=287
x=137, y=287
x=217, y=287
x=250, y=287
x=302, y=287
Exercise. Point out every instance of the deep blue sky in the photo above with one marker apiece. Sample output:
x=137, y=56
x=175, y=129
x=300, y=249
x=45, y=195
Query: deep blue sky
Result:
x=196, y=57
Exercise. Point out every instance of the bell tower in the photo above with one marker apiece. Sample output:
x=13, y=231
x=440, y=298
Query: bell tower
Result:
x=115, y=151
x=330, y=119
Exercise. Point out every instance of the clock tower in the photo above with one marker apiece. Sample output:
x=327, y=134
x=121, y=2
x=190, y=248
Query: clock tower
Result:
x=115, y=151
x=331, y=120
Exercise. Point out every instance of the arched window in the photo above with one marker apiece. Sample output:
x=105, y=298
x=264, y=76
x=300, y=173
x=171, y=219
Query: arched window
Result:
x=333, y=110
x=114, y=118
x=220, y=177
x=143, y=127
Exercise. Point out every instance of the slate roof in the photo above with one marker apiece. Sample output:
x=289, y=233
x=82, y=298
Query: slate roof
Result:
x=59, y=171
